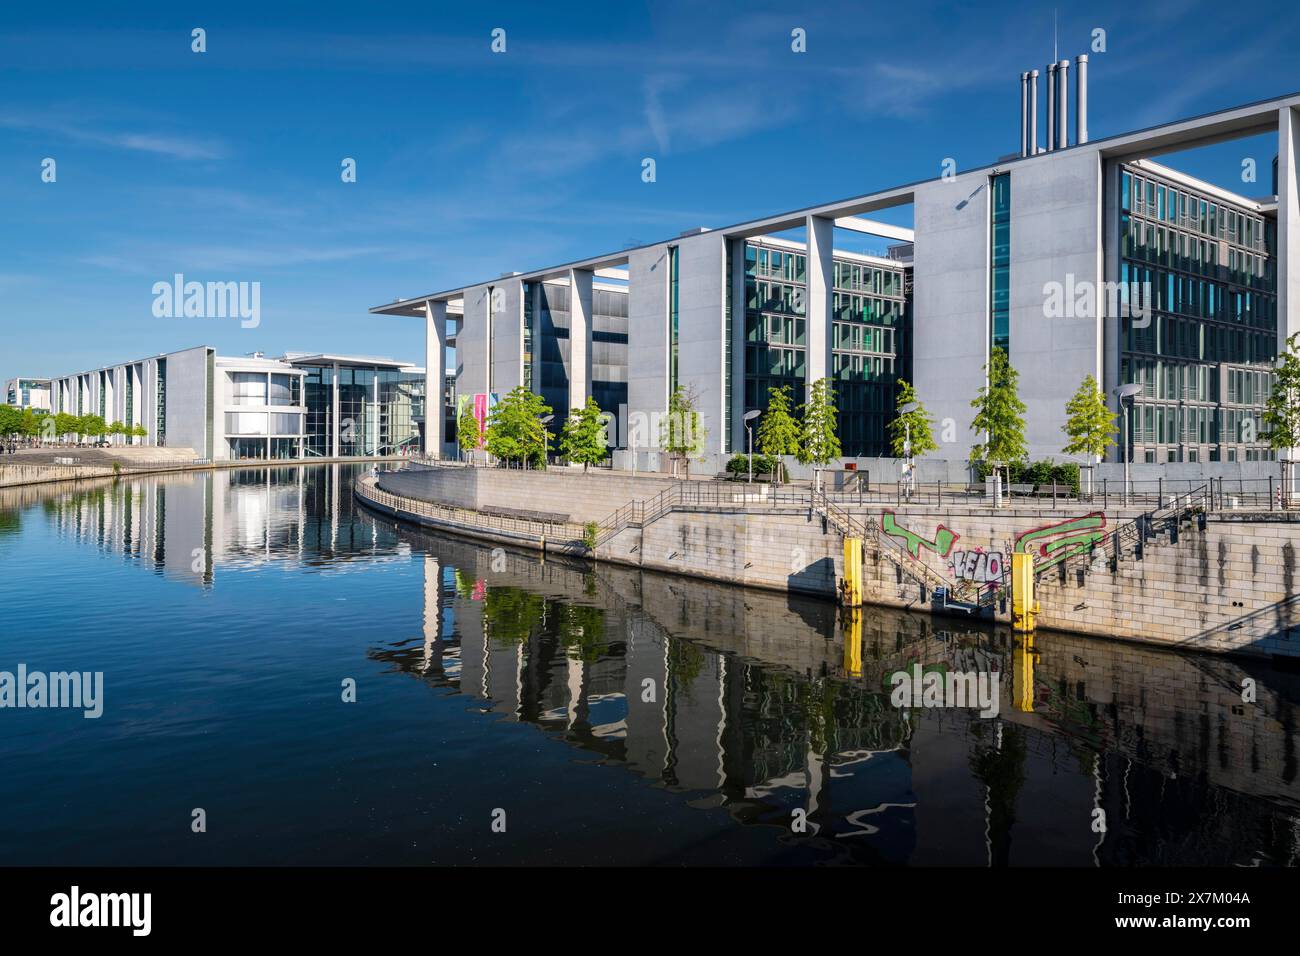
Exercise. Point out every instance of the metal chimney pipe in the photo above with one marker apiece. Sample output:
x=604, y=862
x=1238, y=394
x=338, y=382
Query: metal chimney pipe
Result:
x=1033, y=112
x=1081, y=99
x=1051, y=106
x=1063, y=106
x=1024, y=114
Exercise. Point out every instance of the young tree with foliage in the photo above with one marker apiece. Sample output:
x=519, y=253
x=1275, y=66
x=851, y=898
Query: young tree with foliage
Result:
x=1000, y=414
x=65, y=424
x=469, y=436
x=778, y=432
x=11, y=420
x=515, y=432
x=1282, y=411
x=92, y=426
x=137, y=431
x=1089, y=424
x=117, y=428
x=583, y=438
x=818, y=442
x=681, y=434
x=916, y=423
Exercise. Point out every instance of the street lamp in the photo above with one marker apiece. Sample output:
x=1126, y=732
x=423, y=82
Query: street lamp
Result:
x=907, y=445
x=1123, y=392
x=546, y=440
x=749, y=430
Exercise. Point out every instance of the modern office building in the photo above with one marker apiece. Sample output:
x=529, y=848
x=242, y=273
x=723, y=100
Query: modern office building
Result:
x=300, y=405
x=33, y=393
x=1077, y=256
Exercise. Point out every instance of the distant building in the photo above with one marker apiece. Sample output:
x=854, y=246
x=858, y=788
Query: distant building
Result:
x=300, y=405
x=33, y=393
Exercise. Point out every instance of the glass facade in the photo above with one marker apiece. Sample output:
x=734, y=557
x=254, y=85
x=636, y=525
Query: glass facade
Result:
x=674, y=304
x=608, y=351
x=870, y=327
x=1205, y=271
x=379, y=411
x=160, y=428
x=1000, y=262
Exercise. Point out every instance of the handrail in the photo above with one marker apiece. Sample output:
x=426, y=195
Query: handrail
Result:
x=367, y=488
x=1178, y=508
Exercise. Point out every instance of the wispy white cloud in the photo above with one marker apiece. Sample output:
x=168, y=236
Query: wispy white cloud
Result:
x=177, y=147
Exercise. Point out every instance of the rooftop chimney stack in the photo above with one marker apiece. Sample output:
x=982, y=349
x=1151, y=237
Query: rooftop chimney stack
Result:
x=1051, y=107
x=1081, y=99
x=1063, y=104
x=1033, y=112
x=1024, y=114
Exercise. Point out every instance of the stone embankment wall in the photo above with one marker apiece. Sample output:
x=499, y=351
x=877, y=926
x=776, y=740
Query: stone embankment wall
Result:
x=1230, y=587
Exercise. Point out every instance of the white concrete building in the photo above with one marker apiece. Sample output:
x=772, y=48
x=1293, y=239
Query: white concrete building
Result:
x=989, y=256
x=33, y=393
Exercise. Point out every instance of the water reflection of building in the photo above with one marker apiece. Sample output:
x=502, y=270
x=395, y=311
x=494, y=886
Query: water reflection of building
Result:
x=752, y=709
x=190, y=525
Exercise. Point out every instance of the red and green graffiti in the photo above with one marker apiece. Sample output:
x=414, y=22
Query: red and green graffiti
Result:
x=1056, y=542
x=940, y=545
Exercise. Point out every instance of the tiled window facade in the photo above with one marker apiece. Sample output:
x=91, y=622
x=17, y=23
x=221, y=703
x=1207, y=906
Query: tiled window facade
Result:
x=1204, y=358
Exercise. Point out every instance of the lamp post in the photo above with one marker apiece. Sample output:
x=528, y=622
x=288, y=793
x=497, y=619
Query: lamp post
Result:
x=546, y=440
x=1124, y=392
x=908, y=465
x=749, y=431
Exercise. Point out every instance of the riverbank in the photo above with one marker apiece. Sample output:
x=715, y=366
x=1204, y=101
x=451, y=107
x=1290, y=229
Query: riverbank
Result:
x=81, y=464
x=1195, y=576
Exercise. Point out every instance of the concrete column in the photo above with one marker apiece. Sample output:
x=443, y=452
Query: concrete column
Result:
x=579, y=337
x=435, y=361
x=334, y=415
x=1288, y=225
x=821, y=285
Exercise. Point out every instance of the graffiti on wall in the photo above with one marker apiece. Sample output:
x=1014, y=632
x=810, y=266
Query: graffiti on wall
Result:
x=941, y=544
x=1053, y=543
x=978, y=565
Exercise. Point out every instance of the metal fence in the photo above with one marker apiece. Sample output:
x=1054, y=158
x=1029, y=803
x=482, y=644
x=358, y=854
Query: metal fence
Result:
x=368, y=489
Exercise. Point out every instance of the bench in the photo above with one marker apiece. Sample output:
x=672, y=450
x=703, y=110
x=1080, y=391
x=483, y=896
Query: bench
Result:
x=542, y=517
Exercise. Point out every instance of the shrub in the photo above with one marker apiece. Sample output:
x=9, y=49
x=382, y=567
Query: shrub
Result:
x=590, y=530
x=738, y=465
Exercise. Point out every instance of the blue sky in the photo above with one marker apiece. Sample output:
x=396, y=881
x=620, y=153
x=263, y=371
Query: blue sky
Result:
x=225, y=165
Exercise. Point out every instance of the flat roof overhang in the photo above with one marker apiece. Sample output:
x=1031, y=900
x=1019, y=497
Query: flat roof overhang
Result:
x=1204, y=130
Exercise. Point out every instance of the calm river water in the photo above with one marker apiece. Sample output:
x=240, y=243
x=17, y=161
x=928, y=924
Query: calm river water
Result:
x=601, y=715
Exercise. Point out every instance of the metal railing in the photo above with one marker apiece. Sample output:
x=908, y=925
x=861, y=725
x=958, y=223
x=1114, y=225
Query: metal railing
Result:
x=1133, y=535
x=367, y=488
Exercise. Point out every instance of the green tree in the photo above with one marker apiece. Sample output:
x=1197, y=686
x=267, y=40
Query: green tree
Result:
x=92, y=426
x=917, y=423
x=681, y=434
x=31, y=423
x=469, y=436
x=137, y=431
x=1089, y=424
x=515, y=432
x=778, y=432
x=583, y=439
x=1282, y=411
x=117, y=428
x=11, y=420
x=818, y=442
x=65, y=424
x=1000, y=414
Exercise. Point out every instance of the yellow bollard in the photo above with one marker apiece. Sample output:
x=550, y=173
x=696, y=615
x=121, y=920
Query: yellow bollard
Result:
x=851, y=594
x=853, y=643
x=1023, y=605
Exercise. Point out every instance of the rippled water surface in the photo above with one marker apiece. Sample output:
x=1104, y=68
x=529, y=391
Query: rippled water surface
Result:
x=614, y=716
